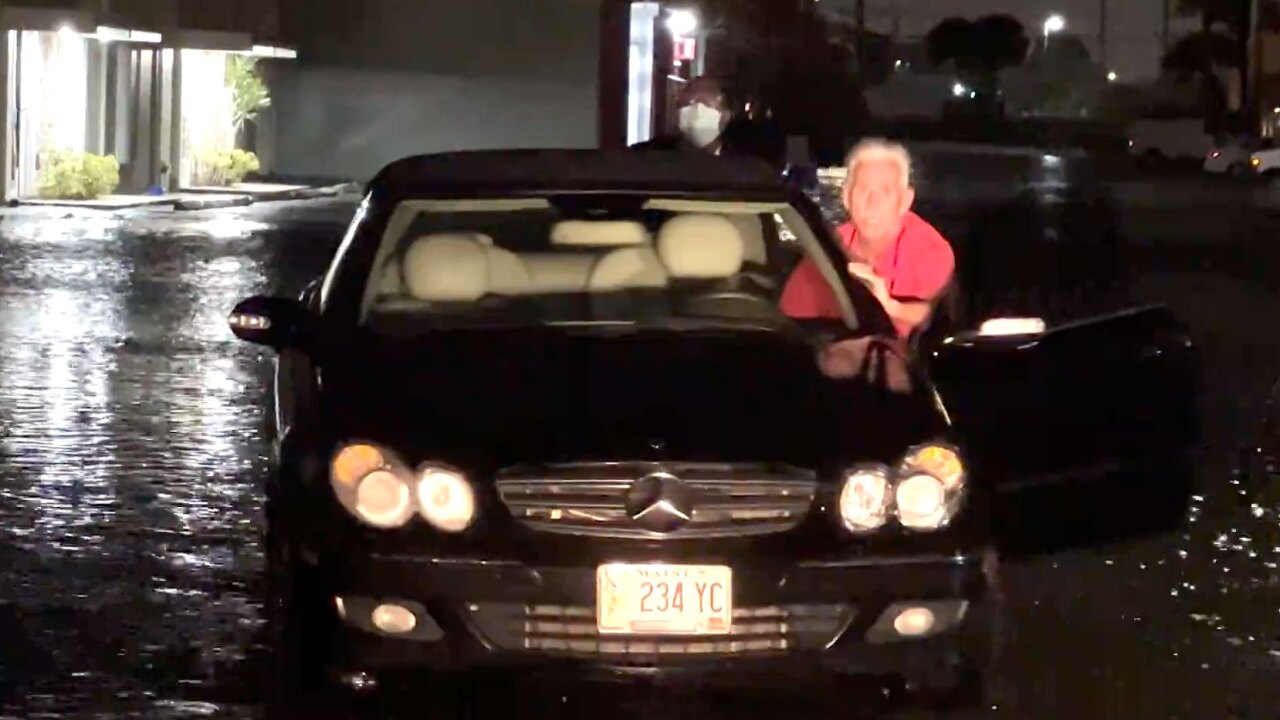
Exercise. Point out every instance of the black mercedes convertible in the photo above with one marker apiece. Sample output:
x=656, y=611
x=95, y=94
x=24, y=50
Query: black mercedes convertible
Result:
x=543, y=411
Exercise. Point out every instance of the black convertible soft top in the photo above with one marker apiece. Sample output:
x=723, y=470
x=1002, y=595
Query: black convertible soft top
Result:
x=522, y=172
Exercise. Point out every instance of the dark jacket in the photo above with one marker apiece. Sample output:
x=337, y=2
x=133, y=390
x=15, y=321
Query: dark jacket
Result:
x=740, y=139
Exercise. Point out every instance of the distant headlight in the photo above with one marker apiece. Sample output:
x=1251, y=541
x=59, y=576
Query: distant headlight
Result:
x=445, y=499
x=931, y=483
x=864, y=499
x=372, y=485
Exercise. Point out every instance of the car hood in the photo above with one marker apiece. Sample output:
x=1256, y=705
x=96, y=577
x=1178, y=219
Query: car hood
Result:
x=494, y=399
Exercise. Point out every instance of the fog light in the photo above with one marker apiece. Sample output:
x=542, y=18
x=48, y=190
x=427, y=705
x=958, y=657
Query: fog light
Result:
x=394, y=619
x=914, y=622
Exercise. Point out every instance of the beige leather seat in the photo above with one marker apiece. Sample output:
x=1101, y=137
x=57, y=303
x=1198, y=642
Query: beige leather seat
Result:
x=751, y=230
x=392, y=281
x=508, y=274
x=599, y=234
x=628, y=268
x=559, y=272
x=700, y=247
x=448, y=267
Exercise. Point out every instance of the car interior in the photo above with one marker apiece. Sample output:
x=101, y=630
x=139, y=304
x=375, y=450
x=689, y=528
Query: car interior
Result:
x=694, y=264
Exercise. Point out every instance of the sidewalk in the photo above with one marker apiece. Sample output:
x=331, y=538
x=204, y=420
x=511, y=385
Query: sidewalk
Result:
x=197, y=198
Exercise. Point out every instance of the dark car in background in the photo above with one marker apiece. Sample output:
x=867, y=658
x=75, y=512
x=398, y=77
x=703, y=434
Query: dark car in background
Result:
x=543, y=411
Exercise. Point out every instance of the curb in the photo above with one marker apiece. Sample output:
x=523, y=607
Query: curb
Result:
x=88, y=205
x=194, y=203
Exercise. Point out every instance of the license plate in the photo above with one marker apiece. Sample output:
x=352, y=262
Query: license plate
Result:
x=660, y=599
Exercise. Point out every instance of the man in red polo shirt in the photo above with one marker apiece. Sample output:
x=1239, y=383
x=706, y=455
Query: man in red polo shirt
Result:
x=903, y=259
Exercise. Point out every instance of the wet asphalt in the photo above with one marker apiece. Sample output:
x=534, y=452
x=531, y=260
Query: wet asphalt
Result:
x=133, y=446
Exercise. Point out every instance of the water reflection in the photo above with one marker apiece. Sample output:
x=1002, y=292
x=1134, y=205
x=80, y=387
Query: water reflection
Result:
x=133, y=450
x=1232, y=547
x=59, y=467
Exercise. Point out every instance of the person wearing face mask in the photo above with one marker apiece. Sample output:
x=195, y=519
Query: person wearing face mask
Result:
x=703, y=119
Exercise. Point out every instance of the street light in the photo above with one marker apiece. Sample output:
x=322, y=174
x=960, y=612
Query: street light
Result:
x=682, y=23
x=1053, y=24
x=1111, y=76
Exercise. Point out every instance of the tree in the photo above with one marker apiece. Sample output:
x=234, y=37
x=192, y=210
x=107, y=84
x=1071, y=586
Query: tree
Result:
x=1236, y=18
x=979, y=48
x=1199, y=56
x=790, y=57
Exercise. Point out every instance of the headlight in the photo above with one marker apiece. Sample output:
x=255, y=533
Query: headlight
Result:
x=921, y=501
x=931, y=483
x=380, y=490
x=371, y=485
x=940, y=461
x=383, y=499
x=445, y=499
x=864, y=499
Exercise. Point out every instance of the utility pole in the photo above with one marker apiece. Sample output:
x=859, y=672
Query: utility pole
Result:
x=1164, y=26
x=1102, y=33
x=860, y=33
x=1253, y=100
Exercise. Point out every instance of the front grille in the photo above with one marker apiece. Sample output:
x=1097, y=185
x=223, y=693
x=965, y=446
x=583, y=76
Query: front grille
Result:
x=571, y=631
x=590, y=499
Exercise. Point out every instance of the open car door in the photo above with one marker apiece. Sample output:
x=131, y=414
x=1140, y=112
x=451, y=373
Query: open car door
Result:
x=1084, y=432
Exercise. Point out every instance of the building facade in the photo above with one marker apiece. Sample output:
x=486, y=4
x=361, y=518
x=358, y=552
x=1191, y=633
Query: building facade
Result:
x=145, y=81
x=382, y=79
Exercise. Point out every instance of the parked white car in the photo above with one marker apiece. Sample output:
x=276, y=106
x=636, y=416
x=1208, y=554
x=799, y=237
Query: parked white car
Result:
x=1232, y=156
x=1265, y=162
x=1172, y=139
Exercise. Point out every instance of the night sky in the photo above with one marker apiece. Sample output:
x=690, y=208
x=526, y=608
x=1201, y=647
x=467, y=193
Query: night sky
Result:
x=1133, y=26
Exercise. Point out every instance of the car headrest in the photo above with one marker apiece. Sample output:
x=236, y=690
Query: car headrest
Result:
x=446, y=267
x=627, y=268
x=700, y=247
x=599, y=233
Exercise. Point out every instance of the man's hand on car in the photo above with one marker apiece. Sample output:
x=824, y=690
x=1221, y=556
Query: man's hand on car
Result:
x=863, y=272
x=911, y=313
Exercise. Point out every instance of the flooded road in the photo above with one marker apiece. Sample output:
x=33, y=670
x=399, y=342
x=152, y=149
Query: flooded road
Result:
x=133, y=440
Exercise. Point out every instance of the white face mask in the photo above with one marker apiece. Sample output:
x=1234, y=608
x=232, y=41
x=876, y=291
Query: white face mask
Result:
x=700, y=124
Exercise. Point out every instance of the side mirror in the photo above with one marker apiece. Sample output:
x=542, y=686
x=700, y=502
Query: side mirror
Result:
x=271, y=321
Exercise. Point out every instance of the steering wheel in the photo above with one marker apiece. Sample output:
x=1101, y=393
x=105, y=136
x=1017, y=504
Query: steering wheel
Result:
x=745, y=303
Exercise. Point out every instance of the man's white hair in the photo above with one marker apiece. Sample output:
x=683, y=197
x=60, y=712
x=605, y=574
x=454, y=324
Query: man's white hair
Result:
x=877, y=149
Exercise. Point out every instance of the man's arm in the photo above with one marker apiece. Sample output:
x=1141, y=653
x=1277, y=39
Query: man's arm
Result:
x=931, y=271
x=908, y=314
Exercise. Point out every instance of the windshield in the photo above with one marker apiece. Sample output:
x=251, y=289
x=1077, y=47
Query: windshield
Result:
x=593, y=260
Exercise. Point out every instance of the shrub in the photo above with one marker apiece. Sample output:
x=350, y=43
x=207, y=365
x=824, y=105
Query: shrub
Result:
x=249, y=94
x=69, y=175
x=224, y=167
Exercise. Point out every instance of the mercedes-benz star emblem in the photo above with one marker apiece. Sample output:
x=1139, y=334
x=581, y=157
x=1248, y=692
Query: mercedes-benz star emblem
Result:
x=660, y=502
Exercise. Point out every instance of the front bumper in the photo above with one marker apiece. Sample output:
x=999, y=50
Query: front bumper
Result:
x=789, y=621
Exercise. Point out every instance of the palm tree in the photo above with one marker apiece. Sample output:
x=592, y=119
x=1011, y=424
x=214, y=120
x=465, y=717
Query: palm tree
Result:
x=979, y=48
x=1202, y=53
x=791, y=57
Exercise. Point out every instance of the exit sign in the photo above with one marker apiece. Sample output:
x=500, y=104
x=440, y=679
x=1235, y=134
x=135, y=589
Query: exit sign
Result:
x=685, y=48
